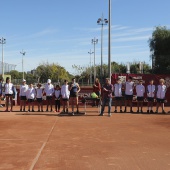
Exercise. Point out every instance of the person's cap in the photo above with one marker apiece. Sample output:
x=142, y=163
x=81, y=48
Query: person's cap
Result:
x=23, y=80
x=49, y=81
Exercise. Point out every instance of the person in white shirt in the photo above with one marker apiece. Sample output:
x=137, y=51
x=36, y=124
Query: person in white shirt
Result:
x=39, y=95
x=49, y=91
x=160, y=95
x=65, y=93
x=31, y=93
x=150, y=95
x=22, y=94
x=118, y=95
x=9, y=92
x=129, y=86
x=57, y=98
x=140, y=90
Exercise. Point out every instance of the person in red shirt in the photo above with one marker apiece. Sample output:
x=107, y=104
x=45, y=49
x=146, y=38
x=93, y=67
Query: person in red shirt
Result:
x=97, y=90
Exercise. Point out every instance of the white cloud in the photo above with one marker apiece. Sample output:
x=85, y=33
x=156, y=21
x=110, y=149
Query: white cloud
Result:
x=44, y=32
x=135, y=38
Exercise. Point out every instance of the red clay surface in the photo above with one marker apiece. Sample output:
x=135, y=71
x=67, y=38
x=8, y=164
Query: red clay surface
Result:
x=45, y=141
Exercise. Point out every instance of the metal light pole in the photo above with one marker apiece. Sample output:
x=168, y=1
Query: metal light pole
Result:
x=23, y=54
x=90, y=66
x=2, y=41
x=101, y=21
x=109, y=42
x=94, y=41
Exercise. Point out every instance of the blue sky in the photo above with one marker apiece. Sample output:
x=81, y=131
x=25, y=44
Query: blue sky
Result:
x=61, y=31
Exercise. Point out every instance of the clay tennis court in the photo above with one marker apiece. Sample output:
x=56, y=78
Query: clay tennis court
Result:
x=46, y=141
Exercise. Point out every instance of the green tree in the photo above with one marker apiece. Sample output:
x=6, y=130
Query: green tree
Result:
x=160, y=48
x=53, y=71
x=14, y=74
x=118, y=68
x=135, y=68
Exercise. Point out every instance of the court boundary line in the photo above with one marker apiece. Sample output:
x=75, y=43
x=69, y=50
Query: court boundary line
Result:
x=42, y=147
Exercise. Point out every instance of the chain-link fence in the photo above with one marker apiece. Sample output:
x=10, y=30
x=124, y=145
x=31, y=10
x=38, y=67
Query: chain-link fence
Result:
x=7, y=67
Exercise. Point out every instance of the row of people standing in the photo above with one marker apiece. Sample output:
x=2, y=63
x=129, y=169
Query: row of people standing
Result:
x=153, y=93
x=68, y=93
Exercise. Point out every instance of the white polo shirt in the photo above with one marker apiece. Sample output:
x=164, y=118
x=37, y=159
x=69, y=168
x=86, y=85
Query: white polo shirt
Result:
x=57, y=93
x=65, y=91
x=31, y=93
x=49, y=89
x=151, y=90
x=8, y=88
x=129, y=88
x=23, y=90
x=161, y=91
x=140, y=90
x=118, y=90
x=39, y=92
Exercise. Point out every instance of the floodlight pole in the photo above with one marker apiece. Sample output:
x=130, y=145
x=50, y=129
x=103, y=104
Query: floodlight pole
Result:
x=109, y=42
x=90, y=66
x=23, y=54
x=94, y=41
x=2, y=41
x=101, y=21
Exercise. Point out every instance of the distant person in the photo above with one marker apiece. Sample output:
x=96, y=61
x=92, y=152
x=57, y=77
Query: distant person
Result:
x=31, y=94
x=107, y=97
x=22, y=94
x=150, y=96
x=9, y=92
x=39, y=96
x=97, y=90
x=118, y=95
x=74, y=90
x=49, y=90
x=65, y=93
x=140, y=90
x=160, y=95
x=1, y=91
x=129, y=86
x=57, y=94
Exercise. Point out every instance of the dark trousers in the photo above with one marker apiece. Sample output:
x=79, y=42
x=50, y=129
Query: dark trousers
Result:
x=57, y=104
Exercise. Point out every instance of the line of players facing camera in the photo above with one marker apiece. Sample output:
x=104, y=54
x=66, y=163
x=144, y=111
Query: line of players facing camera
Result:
x=154, y=93
x=68, y=93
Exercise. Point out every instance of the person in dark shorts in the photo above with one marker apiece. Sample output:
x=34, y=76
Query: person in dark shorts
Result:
x=49, y=91
x=9, y=90
x=31, y=93
x=57, y=94
x=39, y=95
x=74, y=90
x=140, y=90
x=65, y=93
x=129, y=86
x=160, y=95
x=118, y=95
x=22, y=94
x=150, y=96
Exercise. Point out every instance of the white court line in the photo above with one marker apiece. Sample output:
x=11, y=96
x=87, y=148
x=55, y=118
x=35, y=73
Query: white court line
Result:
x=42, y=147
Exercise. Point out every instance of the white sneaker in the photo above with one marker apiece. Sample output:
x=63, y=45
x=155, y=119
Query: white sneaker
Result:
x=1, y=105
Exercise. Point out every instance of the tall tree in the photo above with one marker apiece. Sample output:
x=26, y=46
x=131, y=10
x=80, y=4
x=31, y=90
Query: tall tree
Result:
x=53, y=71
x=160, y=48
